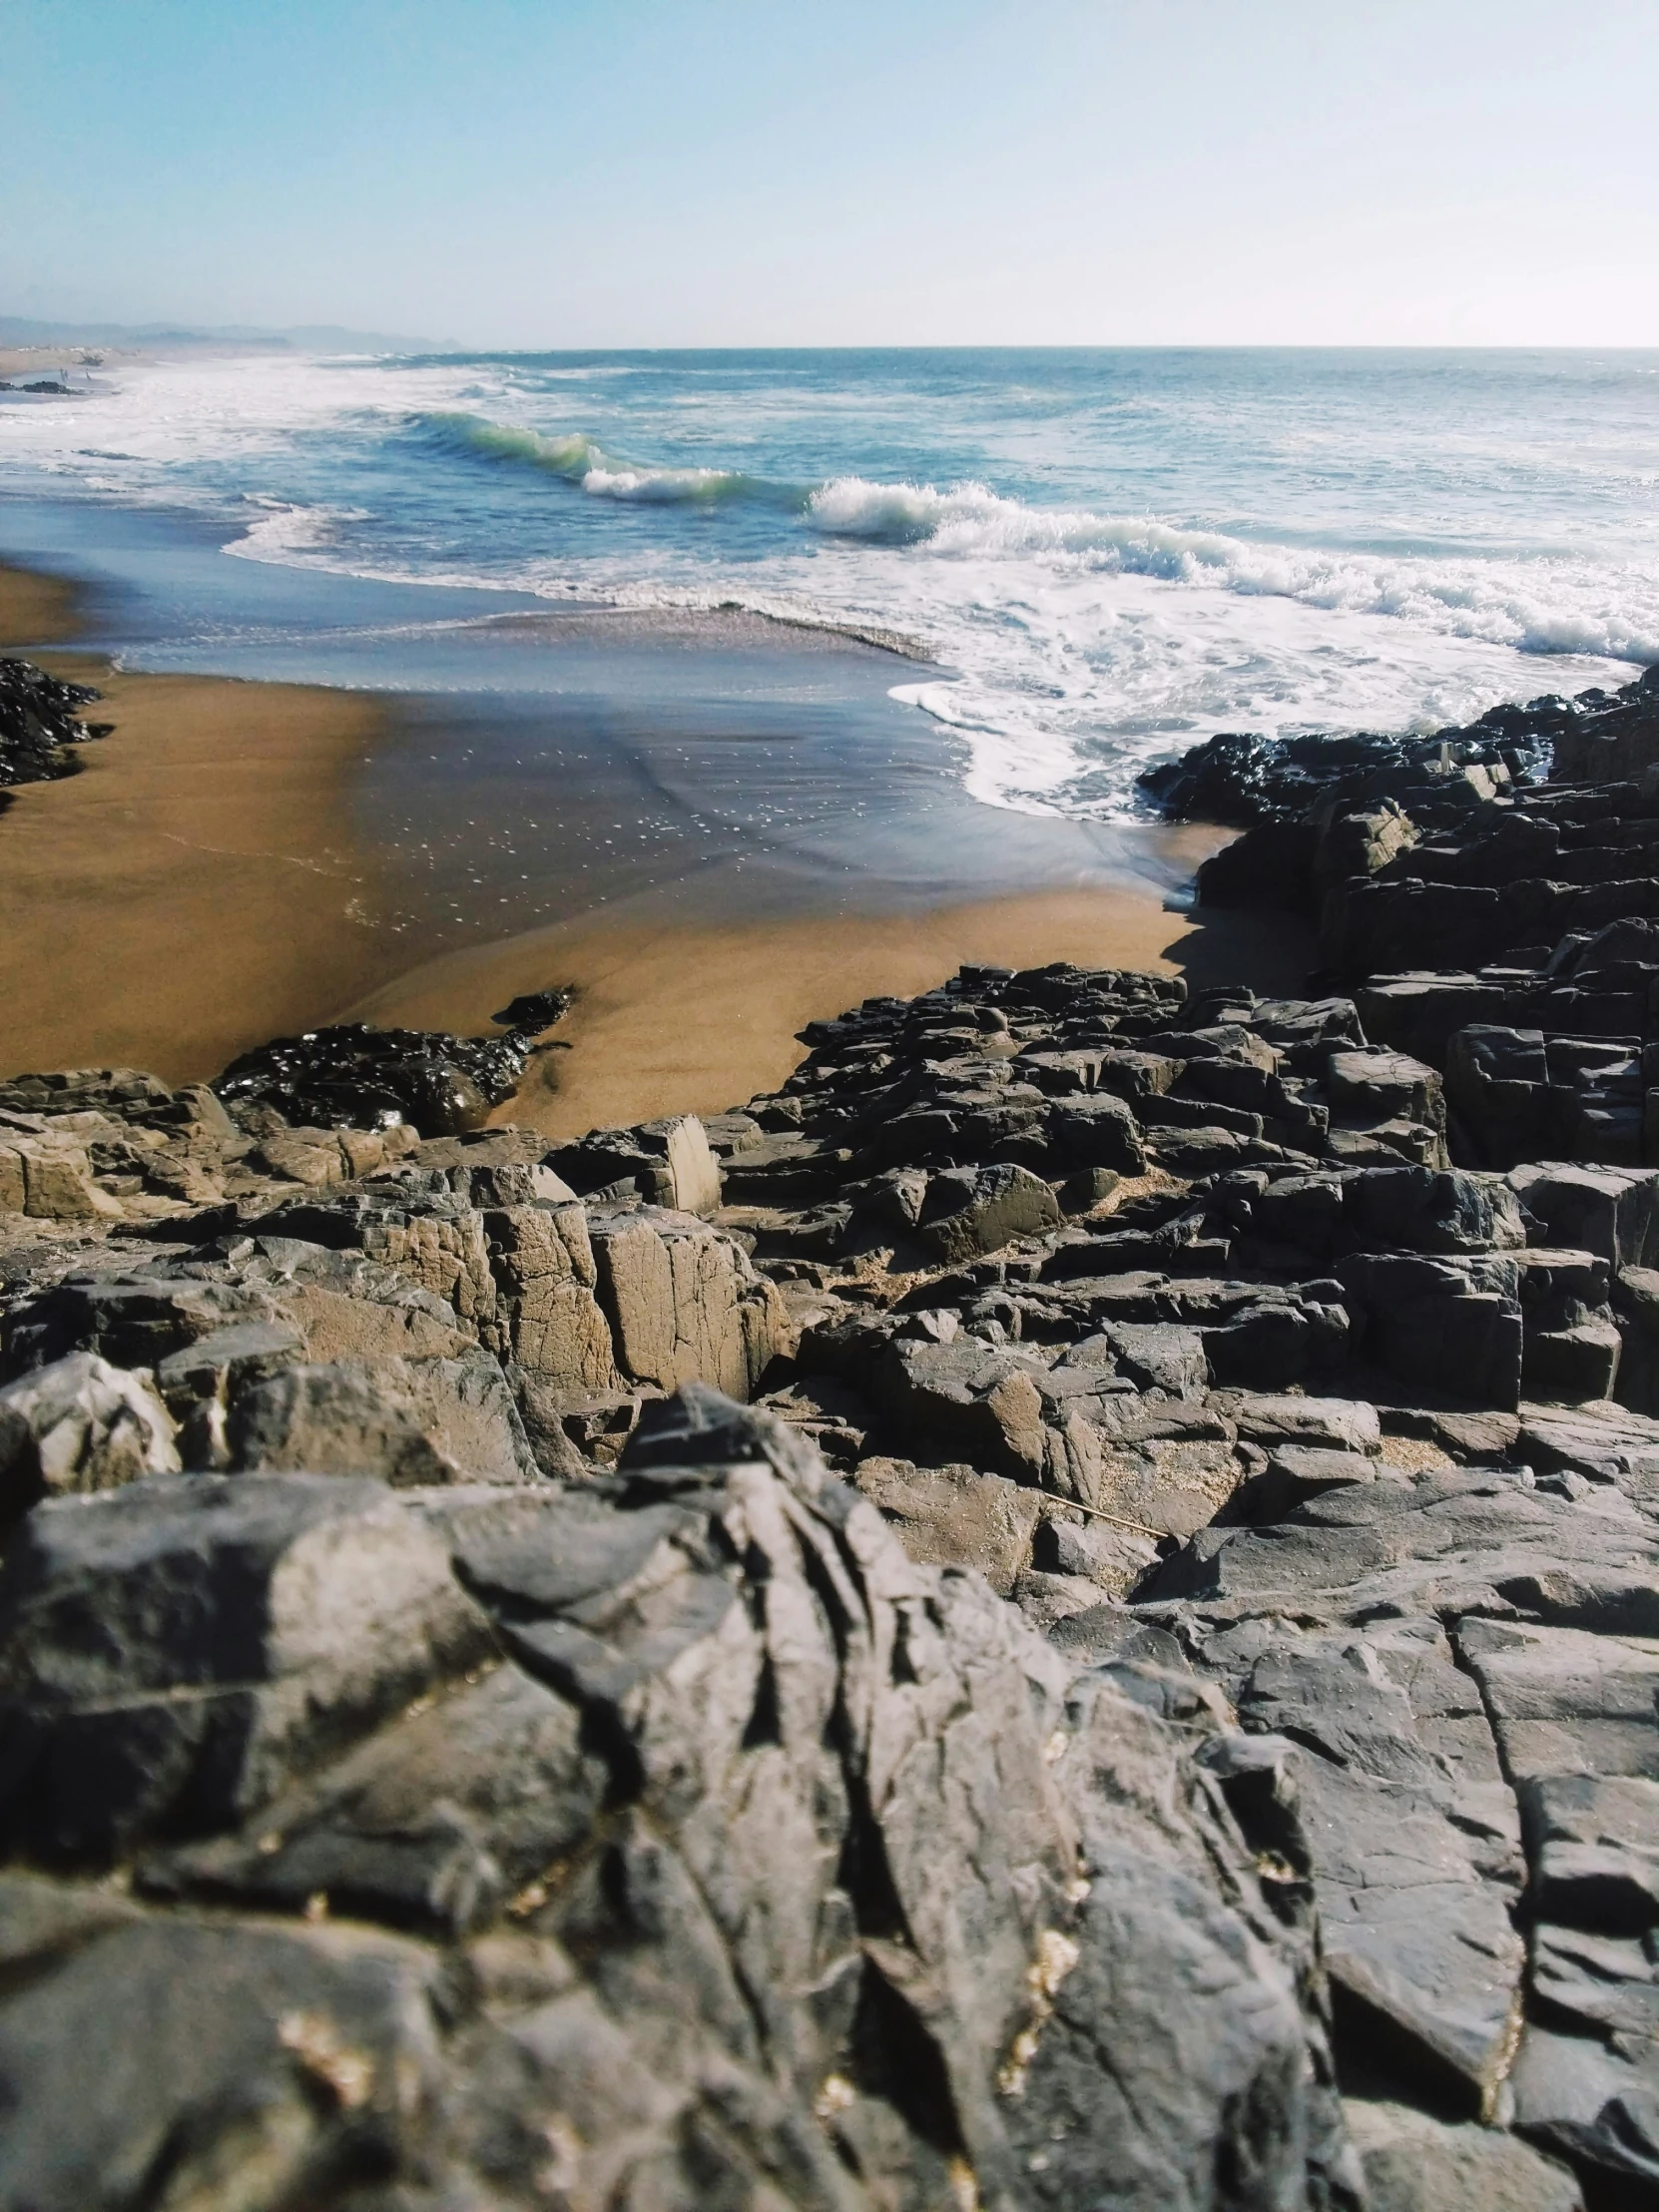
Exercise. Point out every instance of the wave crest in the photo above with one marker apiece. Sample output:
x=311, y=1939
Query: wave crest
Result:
x=577, y=459
x=1499, y=604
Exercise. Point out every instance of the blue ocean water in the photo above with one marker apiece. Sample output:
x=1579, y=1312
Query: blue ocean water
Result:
x=1099, y=556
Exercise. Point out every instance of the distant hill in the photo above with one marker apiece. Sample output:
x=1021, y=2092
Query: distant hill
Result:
x=321, y=337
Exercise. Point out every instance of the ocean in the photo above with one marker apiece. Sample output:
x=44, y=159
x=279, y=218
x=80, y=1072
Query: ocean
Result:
x=1090, y=559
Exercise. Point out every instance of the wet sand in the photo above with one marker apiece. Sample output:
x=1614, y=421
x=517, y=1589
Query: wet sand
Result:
x=213, y=879
x=188, y=893
x=693, y=1018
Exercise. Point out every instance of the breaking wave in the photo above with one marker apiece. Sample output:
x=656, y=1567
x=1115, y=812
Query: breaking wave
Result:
x=580, y=460
x=1509, y=604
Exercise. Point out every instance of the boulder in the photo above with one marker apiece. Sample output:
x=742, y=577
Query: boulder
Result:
x=1414, y=2164
x=436, y=1421
x=303, y=2056
x=173, y=1653
x=51, y=1181
x=1096, y=1131
x=668, y=1163
x=79, y=1425
x=556, y=1331
x=1451, y=1325
x=1417, y=1209
x=683, y=1302
x=1614, y=1212
x=434, y=1823
x=968, y=1210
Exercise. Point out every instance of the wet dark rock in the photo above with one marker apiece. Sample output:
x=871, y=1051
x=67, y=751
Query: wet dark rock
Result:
x=40, y=725
x=365, y=1078
x=534, y=1012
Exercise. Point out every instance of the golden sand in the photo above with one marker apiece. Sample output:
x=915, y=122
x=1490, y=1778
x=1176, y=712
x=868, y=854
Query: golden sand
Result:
x=191, y=892
x=188, y=893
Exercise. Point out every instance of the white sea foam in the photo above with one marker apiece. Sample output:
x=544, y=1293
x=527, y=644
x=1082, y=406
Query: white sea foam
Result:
x=282, y=528
x=1504, y=604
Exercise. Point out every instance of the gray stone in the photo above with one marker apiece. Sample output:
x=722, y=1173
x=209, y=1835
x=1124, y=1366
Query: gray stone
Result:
x=132, y=1321
x=1412, y=1839
x=1444, y=1324
x=1566, y=1702
x=432, y=1824
x=1377, y=1086
x=1113, y=1559
x=1414, y=2164
x=955, y=1517
x=1418, y=1209
x=968, y=1210
x=1329, y=1424
x=174, y=1652
x=436, y=1421
x=1588, y=2100
x=1451, y=1542
x=1159, y=1356
x=1593, y=1841
x=225, y=1361
x=1614, y=1212
x=79, y=1424
x=1098, y=1131
x=273, y=2067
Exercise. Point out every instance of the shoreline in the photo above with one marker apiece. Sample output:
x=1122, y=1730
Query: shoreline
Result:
x=160, y=911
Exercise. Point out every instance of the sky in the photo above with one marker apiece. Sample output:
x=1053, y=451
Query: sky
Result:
x=635, y=173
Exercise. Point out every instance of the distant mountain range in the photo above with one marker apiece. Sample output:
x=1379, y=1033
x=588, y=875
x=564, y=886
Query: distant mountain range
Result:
x=326, y=337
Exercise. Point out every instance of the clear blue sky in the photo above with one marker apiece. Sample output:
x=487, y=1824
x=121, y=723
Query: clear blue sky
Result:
x=825, y=171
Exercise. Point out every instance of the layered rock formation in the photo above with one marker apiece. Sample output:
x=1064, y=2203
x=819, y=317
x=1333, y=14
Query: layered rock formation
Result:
x=1063, y=1612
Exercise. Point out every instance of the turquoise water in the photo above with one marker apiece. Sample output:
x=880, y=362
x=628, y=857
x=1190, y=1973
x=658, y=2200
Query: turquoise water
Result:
x=1105, y=555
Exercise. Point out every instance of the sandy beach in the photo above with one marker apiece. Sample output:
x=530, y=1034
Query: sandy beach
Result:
x=188, y=893
x=198, y=887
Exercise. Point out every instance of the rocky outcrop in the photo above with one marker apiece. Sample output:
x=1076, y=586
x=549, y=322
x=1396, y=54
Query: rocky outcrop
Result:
x=724, y=1853
x=1209, y=1679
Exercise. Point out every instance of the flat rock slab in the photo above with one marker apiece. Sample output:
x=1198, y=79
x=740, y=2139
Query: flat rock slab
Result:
x=1414, y=2164
x=1565, y=1702
x=956, y=1517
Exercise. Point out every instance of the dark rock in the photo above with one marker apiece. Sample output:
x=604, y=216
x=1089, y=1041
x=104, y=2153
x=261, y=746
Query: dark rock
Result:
x=667, y=1162
x=1416, y=2163
x=366, y=1078
x=432, y=1824
x=303, y=2060
x=173, y=1653
x=968, y=1211
x=535, y=1011
x=40, y=725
